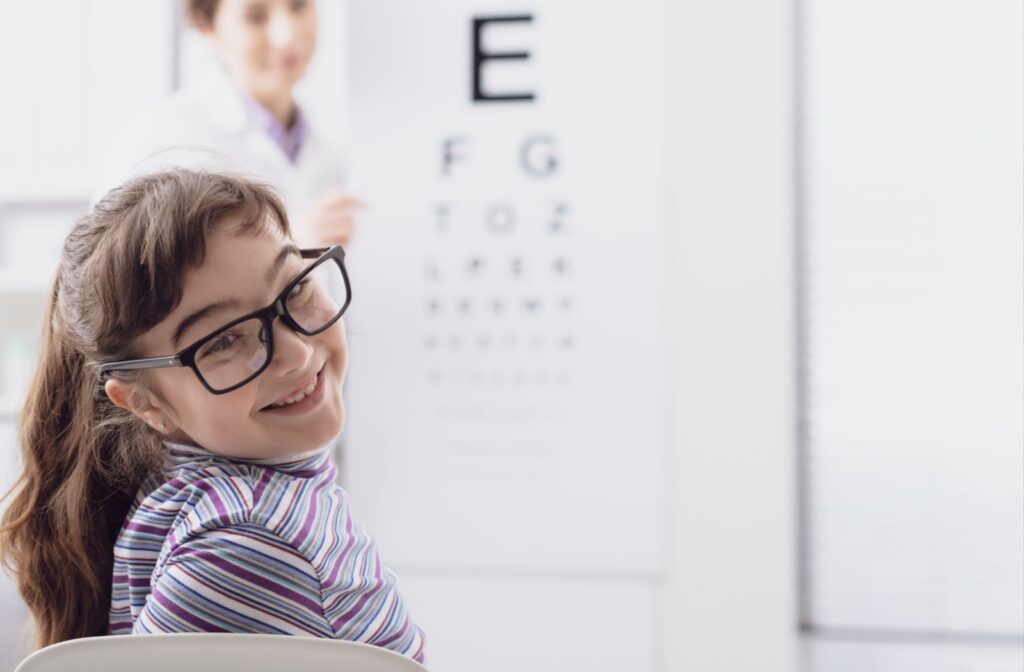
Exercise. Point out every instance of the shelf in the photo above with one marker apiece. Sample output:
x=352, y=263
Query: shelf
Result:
x=9, y=409
x=42, y=199
x=19, y=284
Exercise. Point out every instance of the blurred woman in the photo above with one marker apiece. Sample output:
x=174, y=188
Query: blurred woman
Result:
x=244, y=117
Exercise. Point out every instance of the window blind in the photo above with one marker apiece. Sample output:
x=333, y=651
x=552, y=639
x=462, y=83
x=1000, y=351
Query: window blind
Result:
x=913, y=330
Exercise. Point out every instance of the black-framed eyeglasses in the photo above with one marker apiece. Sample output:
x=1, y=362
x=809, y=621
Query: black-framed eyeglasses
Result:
x=242, y=349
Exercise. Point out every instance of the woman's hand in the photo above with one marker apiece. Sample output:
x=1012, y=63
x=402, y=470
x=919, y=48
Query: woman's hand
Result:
x=329, y=221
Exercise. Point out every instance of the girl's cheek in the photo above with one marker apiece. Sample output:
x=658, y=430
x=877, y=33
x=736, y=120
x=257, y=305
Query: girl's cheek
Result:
x=218, y=412
x=333, y=340
x=224, y=422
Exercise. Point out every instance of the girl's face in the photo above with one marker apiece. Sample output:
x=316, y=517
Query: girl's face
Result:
x=266, y=45
x=241, y=274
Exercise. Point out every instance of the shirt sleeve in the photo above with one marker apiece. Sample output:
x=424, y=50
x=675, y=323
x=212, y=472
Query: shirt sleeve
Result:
x=361, y=598
x=238, y=579
x=246, y=578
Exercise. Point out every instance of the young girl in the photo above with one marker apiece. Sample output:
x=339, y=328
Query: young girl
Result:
x=175, y=472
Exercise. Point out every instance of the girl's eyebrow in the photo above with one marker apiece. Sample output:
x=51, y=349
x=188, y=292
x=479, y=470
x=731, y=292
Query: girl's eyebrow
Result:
x=291, y=248
x=200, y=314
x=269, y=275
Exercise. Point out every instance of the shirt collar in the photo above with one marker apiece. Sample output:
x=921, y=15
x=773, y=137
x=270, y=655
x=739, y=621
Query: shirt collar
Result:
x=289, y=139
x=181, y=454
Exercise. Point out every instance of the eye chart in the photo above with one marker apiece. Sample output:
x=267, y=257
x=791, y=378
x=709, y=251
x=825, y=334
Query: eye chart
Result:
x=508, y=349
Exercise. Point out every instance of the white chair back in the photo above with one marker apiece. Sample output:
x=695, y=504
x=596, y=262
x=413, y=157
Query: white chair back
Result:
x=215, y=652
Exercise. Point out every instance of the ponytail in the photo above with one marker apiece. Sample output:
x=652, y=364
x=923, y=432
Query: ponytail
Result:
x=83, y=460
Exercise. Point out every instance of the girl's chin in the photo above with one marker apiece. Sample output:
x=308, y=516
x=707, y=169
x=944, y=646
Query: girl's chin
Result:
x=328, y=427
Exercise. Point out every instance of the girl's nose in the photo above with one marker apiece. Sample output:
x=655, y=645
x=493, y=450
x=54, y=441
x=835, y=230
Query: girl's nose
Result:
x=292, y=351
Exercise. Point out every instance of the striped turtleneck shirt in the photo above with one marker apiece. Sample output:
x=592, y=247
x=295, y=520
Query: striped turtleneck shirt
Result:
x=213, y=544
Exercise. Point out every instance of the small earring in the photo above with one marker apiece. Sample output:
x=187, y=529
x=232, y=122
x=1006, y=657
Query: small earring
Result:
x=163, y=426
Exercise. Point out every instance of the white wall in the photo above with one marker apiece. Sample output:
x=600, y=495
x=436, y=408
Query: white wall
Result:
x=510, y=461
x=731, y=603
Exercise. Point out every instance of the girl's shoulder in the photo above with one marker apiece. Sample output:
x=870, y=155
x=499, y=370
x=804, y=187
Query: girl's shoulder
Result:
x=196, y=494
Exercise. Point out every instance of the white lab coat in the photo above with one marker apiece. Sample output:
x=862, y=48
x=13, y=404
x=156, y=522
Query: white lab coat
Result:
x=207, y=125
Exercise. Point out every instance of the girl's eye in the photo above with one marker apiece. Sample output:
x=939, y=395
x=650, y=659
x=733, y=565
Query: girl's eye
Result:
x=301, y=290
x=220, y=344
x=299, y=5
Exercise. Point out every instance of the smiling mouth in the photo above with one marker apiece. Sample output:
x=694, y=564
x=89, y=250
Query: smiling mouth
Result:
x=298, y=396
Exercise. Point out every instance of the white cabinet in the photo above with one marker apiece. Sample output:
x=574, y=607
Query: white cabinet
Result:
x=72, y=72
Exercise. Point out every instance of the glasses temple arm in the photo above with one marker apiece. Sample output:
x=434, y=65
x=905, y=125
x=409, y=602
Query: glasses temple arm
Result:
x=135, y=364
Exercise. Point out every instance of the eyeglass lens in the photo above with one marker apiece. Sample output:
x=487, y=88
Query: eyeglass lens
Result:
x=238, y=353
x=313, y=302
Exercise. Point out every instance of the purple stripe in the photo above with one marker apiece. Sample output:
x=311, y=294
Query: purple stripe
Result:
x=184, y=615
x=210, y=489
x=266, y=584
x=307, y=473
x=146, y=529
x=262, y=485
x=357, y=607
x=395, y=637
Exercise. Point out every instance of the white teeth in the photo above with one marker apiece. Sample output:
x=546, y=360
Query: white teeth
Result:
x=298, y=397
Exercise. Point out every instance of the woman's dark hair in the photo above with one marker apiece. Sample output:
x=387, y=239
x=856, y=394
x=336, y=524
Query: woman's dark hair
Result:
x=122, y=272
x=201, y=12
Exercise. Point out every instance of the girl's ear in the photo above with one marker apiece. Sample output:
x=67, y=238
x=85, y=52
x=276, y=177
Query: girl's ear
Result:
x=140, y=402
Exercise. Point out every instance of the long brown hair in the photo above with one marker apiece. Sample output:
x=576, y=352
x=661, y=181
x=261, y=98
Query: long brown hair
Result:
x=122, y=272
